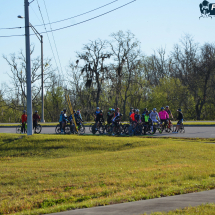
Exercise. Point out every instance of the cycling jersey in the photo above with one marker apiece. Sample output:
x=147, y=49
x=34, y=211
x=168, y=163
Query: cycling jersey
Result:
x=24, y=118
x=99, y=118
x=97, y=112
x=154, y=116
x=132, y=117
x=163, y=115
x=64, y=118
x=180, y=116
x=146, y=118
x=137, y=117
x=110, y=117
x=169, y=112
x=36, y=117
x=117, y=115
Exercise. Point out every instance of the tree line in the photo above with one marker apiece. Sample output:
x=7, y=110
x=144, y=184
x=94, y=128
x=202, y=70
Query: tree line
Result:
x=115, y=73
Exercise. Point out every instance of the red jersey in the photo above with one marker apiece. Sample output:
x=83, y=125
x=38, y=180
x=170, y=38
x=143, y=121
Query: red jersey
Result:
x=132, y=117
x=24, y=118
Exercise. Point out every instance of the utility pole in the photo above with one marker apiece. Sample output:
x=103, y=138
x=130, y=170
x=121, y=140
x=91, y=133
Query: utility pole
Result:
x=42, y=94
x=28, y=69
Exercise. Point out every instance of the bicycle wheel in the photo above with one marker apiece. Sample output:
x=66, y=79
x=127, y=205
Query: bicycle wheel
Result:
x=160, y=129
x=38, y=129
x=126, y=129
x=57, y=129
x=130, y=130
x=67, y=129
x=91, y=127
x=81, y=129
x=181, y=130
x=101, y=129
x=18, y=129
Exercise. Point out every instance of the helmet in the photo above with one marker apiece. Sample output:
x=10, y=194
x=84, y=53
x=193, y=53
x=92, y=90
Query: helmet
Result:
x=61, y=112
x=113, y=109
x=24, y=111
x=162, y=108
x=101, y=111
x=117, y=109
x=121, y=114
x=137, y=110
x=179, y=110
x=145, y=109
x=36, y=111
x=167, y=106
x=97, y=108
x=110, y=109
x=154, y=109
x=64, y=109
x=74, y=111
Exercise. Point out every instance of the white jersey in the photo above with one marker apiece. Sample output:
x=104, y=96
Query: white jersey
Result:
x=154, y=116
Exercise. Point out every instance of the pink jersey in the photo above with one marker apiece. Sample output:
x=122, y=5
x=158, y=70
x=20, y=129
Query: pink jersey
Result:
x=163, y=115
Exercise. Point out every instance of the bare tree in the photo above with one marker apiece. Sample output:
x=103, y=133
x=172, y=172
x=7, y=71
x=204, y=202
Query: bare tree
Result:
x=94, y=55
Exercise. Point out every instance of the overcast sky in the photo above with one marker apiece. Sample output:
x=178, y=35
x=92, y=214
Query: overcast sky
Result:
x=158, y=23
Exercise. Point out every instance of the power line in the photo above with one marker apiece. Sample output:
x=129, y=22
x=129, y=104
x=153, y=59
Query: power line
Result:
x=47, y=35
x=82, y=21
x=53, y=37
x=66, y=18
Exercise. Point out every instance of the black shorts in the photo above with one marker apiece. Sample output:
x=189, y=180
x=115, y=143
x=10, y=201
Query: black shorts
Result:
x=164, y=120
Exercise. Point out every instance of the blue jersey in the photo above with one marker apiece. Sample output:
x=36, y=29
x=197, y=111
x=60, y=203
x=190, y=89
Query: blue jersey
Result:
x=97, y=112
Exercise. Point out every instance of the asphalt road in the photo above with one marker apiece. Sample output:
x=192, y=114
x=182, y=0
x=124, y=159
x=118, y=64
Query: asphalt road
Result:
x=190, y=132
x=148, y=206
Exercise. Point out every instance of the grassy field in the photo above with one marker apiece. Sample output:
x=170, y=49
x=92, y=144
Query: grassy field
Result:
x=208, y=209
x=48, y=173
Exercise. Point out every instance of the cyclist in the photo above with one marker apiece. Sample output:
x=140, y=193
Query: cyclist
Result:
x=61, y=119
x=154, y=118
x=64, y=120
x=110, y=116
x=131, y=111
x=24, y=121
x=99, y=119
x=143, y=114
x=132, y=117
x=164, y=116
x=180, y=120
x=97, y=112
x=36, y=118
x=137, y=116
x=169, y=111
x=146, y=121
x=78, y=118
x=116, y=119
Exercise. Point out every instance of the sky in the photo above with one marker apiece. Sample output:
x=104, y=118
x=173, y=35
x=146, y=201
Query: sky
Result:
x=156, y=24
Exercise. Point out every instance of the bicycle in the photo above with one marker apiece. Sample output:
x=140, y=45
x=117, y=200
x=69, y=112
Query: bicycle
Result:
x=181, y=128
x=19, y=129
x=38, y=129
x=100, y=128
x=170, y=126
x=66, y=129
x=135, y=130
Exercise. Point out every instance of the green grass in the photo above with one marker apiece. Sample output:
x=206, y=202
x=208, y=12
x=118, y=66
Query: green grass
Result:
x=206, y=209
x=48, y=173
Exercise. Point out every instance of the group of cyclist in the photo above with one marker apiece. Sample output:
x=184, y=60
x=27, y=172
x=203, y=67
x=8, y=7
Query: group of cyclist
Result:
x=24, y=117
x=148, y=118
x=64, y=119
